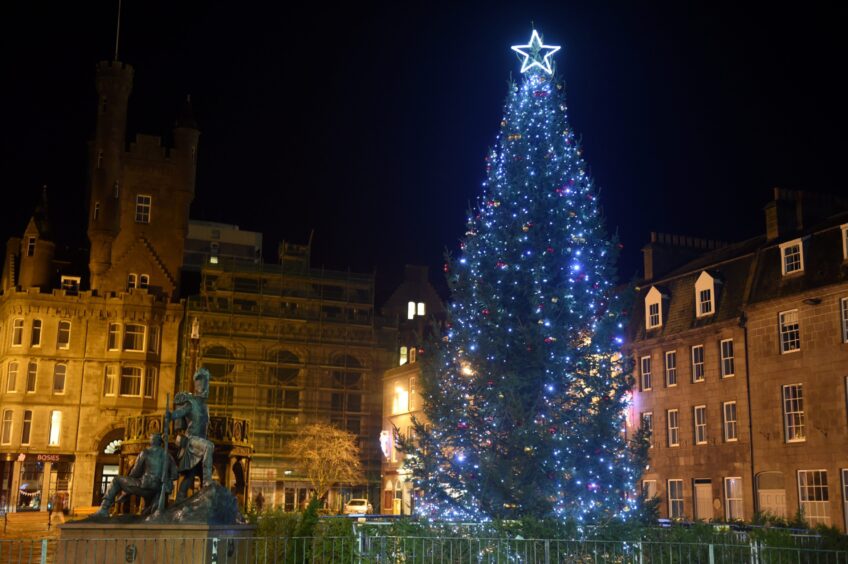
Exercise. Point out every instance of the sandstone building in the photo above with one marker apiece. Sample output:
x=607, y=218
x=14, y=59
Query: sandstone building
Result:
x=740, y=356
x=80, y=351
x=288, y=345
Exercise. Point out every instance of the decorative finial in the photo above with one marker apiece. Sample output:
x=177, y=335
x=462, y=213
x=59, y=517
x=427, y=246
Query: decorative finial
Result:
x=536, y=54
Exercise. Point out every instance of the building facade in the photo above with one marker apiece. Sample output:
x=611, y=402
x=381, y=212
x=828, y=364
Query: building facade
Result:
x=288, y=345
x=417, y=308
x=82, y=350
x=740, y=353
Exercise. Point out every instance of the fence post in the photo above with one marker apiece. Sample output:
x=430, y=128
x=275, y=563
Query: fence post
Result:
x=43, y=551
x=547, y=551
x=641, y=554
x=712, y=553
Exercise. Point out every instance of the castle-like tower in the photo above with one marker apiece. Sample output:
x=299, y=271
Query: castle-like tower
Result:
x=140, y=196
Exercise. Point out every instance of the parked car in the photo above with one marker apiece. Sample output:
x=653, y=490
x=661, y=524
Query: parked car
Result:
x=357, y=505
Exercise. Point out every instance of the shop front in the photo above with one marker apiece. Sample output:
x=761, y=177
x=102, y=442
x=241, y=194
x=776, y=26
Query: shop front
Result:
x=43, y=482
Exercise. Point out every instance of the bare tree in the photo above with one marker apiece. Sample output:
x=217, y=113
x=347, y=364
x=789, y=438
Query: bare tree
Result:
x=326, y=456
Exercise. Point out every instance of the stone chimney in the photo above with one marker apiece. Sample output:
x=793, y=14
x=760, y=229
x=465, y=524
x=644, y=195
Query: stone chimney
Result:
x=666, y=252
x=792, y=211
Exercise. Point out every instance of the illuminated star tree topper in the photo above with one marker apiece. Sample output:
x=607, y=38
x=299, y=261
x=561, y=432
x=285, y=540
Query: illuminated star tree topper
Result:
x=536, y=54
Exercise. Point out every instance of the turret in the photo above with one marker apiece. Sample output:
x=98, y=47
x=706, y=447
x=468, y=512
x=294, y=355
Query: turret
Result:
x=184, y=153
x=114, y=83
x=37, y=249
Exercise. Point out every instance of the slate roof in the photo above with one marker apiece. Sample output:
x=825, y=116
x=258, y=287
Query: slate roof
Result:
x=747, y=273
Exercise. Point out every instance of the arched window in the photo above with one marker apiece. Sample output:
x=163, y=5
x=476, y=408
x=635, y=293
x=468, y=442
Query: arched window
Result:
x=219, y=361
x=287, y=367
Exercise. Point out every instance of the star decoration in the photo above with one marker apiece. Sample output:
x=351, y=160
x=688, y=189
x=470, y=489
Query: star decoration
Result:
x=533, y=51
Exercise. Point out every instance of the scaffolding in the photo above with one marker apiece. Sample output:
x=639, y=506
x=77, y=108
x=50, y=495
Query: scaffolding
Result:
x=288, y=345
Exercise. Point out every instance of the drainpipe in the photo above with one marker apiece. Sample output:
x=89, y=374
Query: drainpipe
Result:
x=743, y=323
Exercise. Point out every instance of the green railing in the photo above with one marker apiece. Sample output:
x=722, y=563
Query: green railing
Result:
x=364, y=549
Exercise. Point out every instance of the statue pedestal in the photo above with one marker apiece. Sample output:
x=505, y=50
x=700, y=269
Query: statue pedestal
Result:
x=148, y=543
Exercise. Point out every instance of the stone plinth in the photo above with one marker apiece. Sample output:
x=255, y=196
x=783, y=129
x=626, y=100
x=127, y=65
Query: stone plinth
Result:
x=142, y=543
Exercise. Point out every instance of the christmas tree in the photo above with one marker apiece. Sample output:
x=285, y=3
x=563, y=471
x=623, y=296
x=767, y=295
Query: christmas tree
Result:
x=526, y=392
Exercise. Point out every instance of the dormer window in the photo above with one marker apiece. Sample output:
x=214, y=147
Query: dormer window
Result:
x=653, y=309
x=792, y=257
x=705, y=295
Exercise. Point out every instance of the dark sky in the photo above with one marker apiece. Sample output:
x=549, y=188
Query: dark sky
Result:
x=369, y=122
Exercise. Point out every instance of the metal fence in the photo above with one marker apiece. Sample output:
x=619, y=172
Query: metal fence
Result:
x=365, y=549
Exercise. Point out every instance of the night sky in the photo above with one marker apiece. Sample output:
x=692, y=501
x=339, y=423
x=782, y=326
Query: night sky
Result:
x=369, y=123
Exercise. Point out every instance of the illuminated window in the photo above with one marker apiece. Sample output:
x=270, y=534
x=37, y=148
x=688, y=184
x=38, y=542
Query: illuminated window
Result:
x=733, y=499
x=6, y=435
x=26, y=428
x=55, y=428
x=649, y=489
x=790, y=332
x=673, y=419
x=413, y=352
x=421, y=309
x=813, y=496
x=114, y=337
x=71, y=284
x=792, y=257
x=698, y=363
x=793, y=413
x=35, y=334
x=404, y=356
x=727, y=365
x=729, y=420
x=12, y=377
x=400, y=401
x=143, y=203
x=410, y=310
x=109, y=378
x=675, y=499
x=63, y=337
x=671, y=368
x=134, y=337
x=17, y=332
x=700, y=419
x=130, y=381
x=646, y=373
x=59, y=373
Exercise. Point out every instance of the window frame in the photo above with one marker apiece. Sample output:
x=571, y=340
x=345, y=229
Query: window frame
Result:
x=653, y=298
x=113, y=331
x=725, y=361
x=135, y=382
x=64, y=376
x=844, y=229
x=670, y=370
x=646, y=376
x=143, y=208
x=787, y=335
x=138, y=338
x=31, y=246
x=699, y=423
x=814, y=517
x=675, y=502
x=7, y=427
x=798, y=417
x=728, y=423
x=144, y=281
x=646, y=421
x=110, y=378
x=32, y=370
x=730, y=502
x=705, y=302
x=132, y=281
x=672, y=432
x=699, y=371
x=36, y=331
x=151, y=377
x=54, y=433
x=12, y=377
x=18, y=332
x=26, y=428
x=843, y=308
x=67, y=343
x=784, y=254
